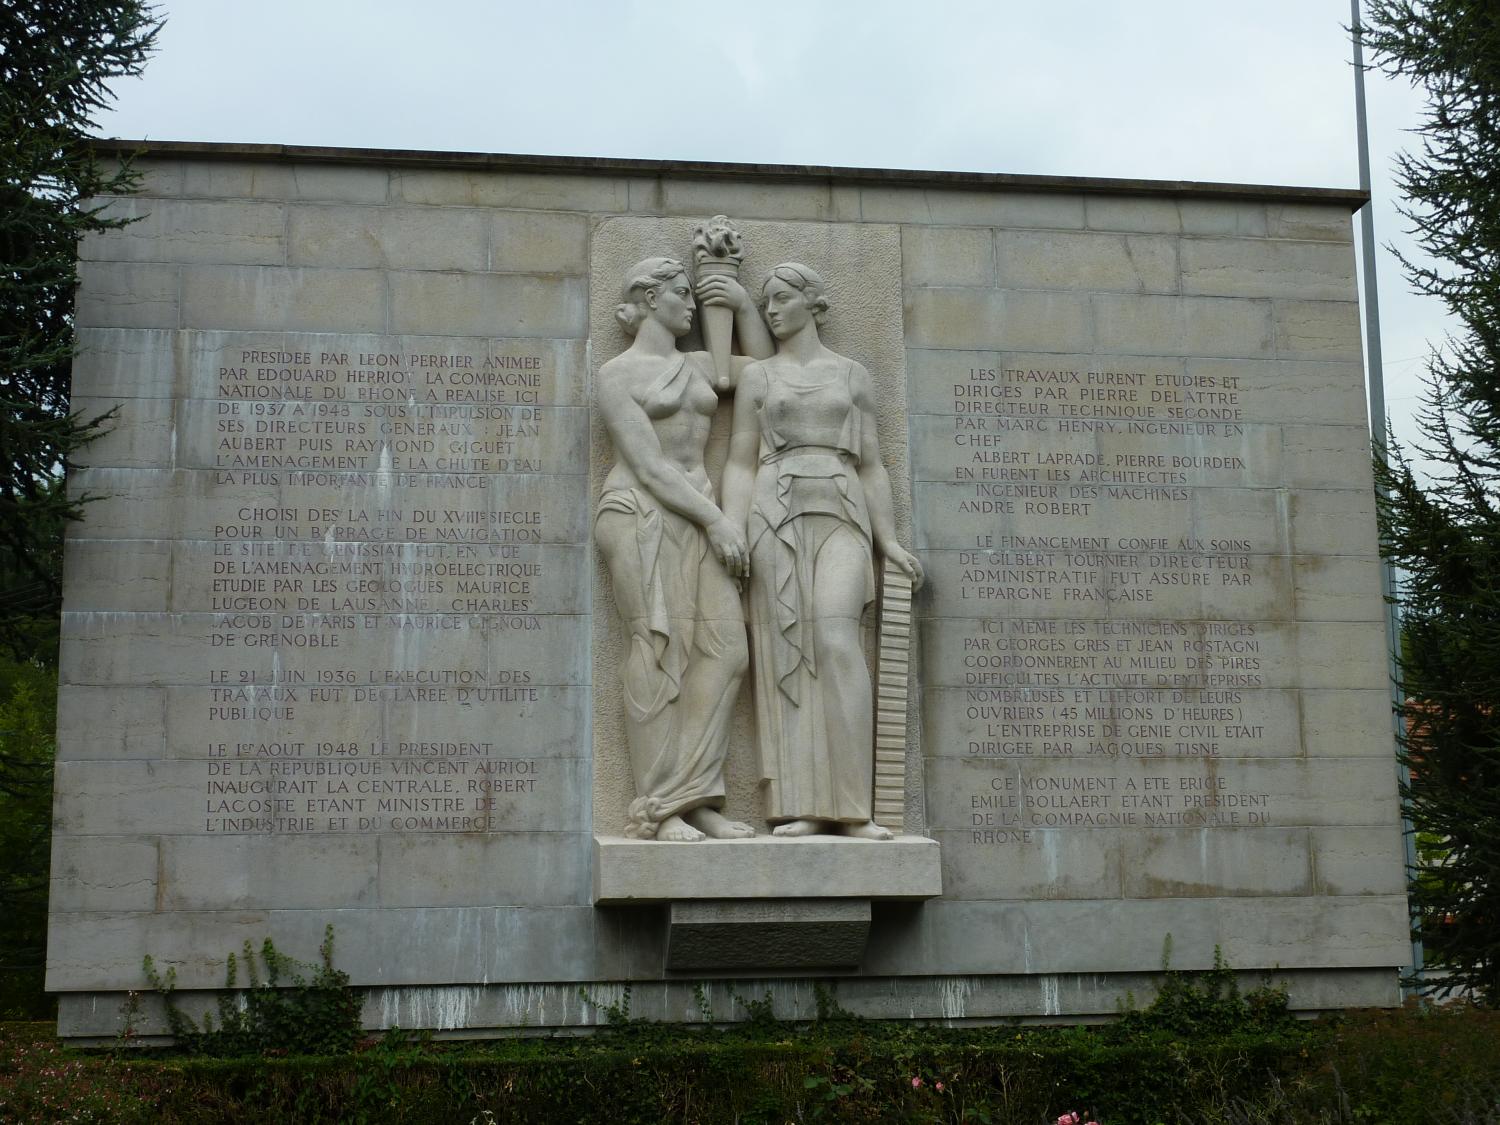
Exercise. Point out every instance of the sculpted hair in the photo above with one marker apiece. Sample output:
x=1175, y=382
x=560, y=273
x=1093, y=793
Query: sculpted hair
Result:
x=806, y=281
x=644, y=277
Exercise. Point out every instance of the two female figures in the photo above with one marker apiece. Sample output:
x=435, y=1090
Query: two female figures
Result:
x=806, y=501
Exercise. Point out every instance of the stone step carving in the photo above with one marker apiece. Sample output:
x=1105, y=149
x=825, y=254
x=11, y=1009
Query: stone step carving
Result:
x=891, y=696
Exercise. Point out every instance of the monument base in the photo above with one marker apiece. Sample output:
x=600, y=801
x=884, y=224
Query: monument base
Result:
x=628, y=872
x=466, y=1011
x=737, y=934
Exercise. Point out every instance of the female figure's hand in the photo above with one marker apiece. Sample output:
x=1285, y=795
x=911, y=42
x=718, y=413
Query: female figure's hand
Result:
x=905, y=562
x=728, y=544
x=720, y=289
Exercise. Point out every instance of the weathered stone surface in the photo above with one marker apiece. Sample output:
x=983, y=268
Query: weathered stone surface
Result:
x=1059, y=260
x=252, y=234
x=1301, y=220
x=469, y=304
x=1356, y=860
x=250, y=872
x=1187, y=326
x=1240, y=219
x=109, y=723
x=1039, y=998
x=267, y=297
x=540, y=192
x=537, y=868
x=104, y=873
x=736, y=936
x=680, y=196
x=1183, y=863
x=1031, y=864
x=128, y=295
x=948, y=255
x=970, y=208
x=1268, y=268
x=280, y=181
x=987, y=318
x=421, y=946
x=138, y=432
x=1325, y=330
x=1132, y=213
x=537, y=242
x=118, y=575
x=1114, y=935
x=384, y=237
x=767, y=867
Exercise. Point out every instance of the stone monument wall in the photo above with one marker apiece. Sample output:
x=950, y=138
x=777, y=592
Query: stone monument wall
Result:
x=338, y=650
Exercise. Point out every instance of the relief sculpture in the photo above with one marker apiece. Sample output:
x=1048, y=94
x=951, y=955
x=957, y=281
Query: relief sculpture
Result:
x=806, y=510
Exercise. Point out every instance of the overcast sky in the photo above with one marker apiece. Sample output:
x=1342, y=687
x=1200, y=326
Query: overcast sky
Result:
x=1160, y=89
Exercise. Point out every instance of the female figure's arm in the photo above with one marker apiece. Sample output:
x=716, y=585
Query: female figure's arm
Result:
x=749, y=329
x=637, y=445
x=876, y=482
x=744, y=446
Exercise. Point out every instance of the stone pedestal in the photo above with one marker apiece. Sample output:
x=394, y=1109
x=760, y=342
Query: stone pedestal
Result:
x=768, y=903
x=630, y=872
x=728, y=935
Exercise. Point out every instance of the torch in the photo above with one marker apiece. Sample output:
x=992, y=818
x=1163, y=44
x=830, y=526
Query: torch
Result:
x=717, y=251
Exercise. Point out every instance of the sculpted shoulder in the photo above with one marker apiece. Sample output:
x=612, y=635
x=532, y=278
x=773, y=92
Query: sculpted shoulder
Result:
x=861, y=384
x=617, y=382
x=753, y=381
x=626, y=369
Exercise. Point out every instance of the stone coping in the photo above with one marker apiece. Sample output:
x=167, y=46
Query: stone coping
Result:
x=1352, y=198
x=767, y=867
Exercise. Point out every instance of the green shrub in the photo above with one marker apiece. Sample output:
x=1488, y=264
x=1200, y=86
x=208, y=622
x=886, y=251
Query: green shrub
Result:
x=286, y=1013
x=1379, y=1068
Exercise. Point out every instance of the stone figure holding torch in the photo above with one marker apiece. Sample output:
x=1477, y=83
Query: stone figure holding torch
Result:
x=717, y=252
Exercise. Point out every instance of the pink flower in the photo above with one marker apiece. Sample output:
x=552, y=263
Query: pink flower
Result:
x=938, y=1086
x=915, y=1081
x=1068, y=1119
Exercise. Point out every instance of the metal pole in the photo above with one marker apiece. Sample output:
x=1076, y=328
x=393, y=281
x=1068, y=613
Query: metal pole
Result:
x=1376, y=385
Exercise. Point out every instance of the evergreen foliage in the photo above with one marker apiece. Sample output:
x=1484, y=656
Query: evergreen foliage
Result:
x=28, y=716
x=57, y=59
x=1443, y=531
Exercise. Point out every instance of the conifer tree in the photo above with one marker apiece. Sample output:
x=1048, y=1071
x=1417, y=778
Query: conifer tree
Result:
x=57, y=58
x=1441, y=522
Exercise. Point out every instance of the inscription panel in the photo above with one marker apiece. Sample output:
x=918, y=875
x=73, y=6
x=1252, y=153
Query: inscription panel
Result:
x=1132, y=613
x=372, y=577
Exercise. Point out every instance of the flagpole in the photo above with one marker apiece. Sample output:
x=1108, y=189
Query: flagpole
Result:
x=1375, y=382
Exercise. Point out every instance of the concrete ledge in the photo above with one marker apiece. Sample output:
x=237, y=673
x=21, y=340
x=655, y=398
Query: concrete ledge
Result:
x=767, y=867
x=1351, y=198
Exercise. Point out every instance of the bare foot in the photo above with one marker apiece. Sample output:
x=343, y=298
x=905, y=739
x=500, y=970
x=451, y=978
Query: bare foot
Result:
x=869, y=830
x=798, y=828
x=675, y=830
x=715, y=824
